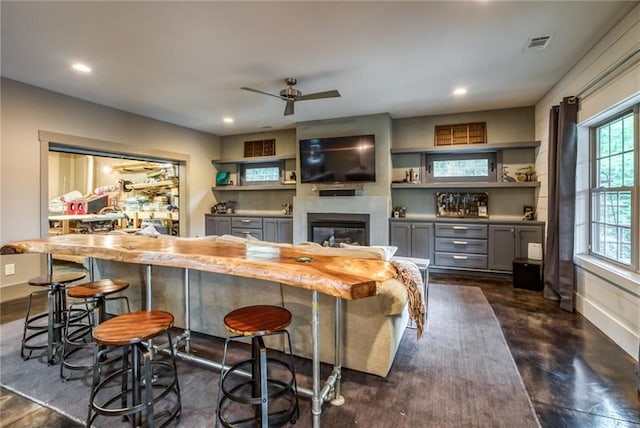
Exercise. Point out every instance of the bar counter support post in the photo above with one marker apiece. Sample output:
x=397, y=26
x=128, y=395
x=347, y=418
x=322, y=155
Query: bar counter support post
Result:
x=148, y=293
x=338, y=399
x=187, y=313
x=316, y=400
x=49, y=264
x=92, y=270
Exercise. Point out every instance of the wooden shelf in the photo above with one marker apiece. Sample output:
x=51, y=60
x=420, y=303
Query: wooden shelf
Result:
x=257, y=159
x=255, y=187
x=469, y=185
x=472, y=148
x=145, y=186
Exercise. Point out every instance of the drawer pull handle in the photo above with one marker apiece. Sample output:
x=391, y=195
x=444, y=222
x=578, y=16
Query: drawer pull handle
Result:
x=460, y=228
x=460, y=257
x=246, y=221
x=460, y=242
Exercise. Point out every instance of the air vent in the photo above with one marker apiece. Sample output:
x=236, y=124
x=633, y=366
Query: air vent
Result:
x=537, y=43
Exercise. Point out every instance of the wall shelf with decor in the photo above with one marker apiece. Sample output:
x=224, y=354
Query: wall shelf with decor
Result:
x=510, y=178
x=255, y=187
x=468, y=148
x=257, y=159
x=235, y=179
x=467, y=185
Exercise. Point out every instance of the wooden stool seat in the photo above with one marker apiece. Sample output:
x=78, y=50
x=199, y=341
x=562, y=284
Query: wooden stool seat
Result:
x=100, y=288
x=133, y=328
x=257, y=320
x=77, y=338
x=57, y=278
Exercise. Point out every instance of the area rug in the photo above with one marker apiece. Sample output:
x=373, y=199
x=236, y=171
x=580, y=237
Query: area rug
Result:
x=459, y=374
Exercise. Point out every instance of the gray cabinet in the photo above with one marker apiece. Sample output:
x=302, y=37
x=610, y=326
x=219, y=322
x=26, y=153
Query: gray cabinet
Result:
x=413, y=239
x=247, y=227
x=273, y=229
x=217, y=225
x=509, y=241
x=277, y=230
x=501, y=247
x=462, y=246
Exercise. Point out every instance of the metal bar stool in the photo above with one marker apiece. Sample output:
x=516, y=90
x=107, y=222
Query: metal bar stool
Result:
x=77, y=334
x=265, y=399
x=153, y=390
x=35, y=326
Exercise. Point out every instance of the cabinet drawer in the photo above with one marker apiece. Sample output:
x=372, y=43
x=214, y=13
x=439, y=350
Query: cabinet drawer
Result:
x=247, y=222
x=461, y=245
x=245, y=233
x=462, y=230
x=473, y=261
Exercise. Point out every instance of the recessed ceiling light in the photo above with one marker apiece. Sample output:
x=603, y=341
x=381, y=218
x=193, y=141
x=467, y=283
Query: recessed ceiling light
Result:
x=81, y=68
x=227, y=119
x=459, y=91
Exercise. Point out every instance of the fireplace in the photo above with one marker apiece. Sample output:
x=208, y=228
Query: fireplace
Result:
x=331, y=229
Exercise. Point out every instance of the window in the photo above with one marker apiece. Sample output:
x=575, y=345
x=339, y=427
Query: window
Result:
x=614, y=190
x=478, y=167
x=261, y=173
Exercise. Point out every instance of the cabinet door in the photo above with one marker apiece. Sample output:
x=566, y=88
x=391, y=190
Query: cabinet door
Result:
x=400, y=236
x=270, y=229
x=285, y=231
x=278, y=230
x=525, y=235
x=422, y=240
x=501, y=247
x=217, y=226
x=209, y=226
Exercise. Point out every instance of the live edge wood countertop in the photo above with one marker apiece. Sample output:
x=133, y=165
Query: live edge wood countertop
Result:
x=344, y=277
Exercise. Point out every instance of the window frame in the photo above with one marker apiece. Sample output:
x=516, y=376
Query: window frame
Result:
x=255, y=165
x=634, y=264
x=491, y=177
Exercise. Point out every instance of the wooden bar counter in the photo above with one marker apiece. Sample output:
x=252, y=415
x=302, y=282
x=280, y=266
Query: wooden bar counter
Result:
x=346, y=278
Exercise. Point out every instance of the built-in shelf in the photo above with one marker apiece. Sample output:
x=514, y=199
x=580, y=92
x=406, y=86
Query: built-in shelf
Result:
x=146, y=186
x=257, y=159
x=469, y=148
x=255, y=187
x=467, y=185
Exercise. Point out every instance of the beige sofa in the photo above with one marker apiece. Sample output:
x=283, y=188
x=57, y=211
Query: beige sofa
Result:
x=373, y=326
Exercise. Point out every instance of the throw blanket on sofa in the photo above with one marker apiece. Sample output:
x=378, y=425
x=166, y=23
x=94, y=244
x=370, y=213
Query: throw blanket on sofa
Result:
x=409, y=275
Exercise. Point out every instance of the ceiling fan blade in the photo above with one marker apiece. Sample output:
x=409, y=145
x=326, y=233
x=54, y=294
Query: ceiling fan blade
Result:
x=288, y=109
x=318, y=95
x=262, y=92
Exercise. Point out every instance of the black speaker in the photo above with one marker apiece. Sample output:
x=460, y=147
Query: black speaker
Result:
x=527, y=274
x=337, y=192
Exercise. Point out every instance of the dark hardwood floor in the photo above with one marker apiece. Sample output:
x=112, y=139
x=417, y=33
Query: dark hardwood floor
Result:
x=575, y=375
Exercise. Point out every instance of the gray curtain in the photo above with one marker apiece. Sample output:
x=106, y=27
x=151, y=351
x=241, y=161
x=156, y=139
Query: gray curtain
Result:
x=558, y=259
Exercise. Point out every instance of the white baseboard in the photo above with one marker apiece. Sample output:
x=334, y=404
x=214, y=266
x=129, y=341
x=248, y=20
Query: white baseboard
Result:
x=627, y=339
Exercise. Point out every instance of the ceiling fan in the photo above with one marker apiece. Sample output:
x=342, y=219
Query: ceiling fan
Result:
x=291, y=95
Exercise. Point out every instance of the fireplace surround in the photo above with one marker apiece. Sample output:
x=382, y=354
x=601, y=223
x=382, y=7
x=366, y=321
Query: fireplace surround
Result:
x=333, y=229
x=377, y=207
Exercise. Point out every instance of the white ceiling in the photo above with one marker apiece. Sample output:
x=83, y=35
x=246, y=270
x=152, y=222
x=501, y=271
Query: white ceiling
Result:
x=185, y=62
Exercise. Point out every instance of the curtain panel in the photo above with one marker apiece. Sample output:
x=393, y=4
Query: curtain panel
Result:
x=559, y=282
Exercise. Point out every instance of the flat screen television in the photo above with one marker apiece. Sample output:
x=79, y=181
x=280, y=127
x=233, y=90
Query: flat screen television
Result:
x=338, y=159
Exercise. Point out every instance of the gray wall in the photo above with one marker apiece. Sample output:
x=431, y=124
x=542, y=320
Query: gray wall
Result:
x=503, y=126
x=26, y=110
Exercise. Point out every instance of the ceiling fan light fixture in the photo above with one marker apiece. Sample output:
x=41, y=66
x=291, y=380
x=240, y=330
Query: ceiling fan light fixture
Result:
x=290, y=95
